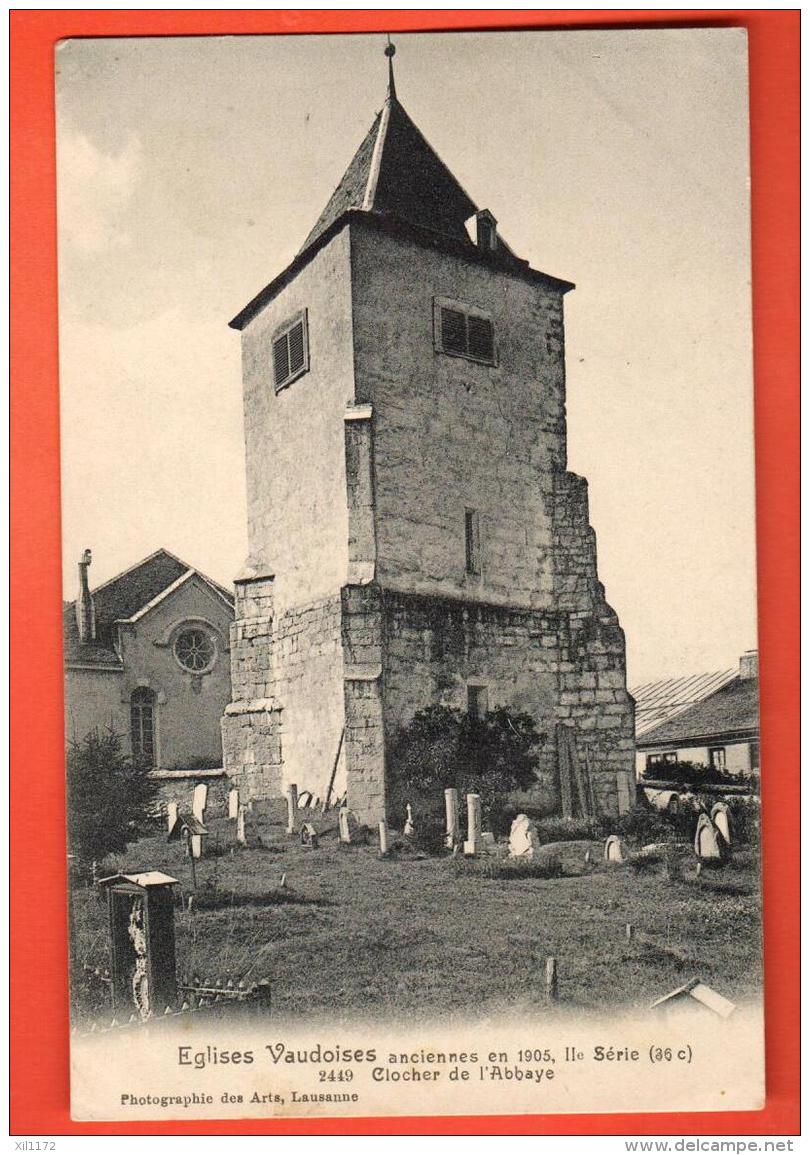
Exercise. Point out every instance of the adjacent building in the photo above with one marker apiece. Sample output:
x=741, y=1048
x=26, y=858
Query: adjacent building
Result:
x=415, y=535
x=709, y=719
x=147, y=655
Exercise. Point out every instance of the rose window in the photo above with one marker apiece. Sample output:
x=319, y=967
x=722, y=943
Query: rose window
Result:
x=194, y=650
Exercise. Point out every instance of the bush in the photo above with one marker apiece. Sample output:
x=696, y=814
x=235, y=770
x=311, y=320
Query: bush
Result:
x=693, y=774
x=441, y=748
x=109, y=799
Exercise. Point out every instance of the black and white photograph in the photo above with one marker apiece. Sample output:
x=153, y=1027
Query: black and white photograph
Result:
x=409, y=574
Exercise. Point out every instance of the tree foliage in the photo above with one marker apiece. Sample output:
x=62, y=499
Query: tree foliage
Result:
x=109, y=798
x=443, y=747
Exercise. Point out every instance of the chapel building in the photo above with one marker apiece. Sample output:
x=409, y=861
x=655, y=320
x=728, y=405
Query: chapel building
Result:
x=415, y=536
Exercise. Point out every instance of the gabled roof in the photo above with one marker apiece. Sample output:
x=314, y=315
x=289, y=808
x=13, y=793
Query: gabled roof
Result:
x=731, y=711
x=123, y=598
x=656, y=702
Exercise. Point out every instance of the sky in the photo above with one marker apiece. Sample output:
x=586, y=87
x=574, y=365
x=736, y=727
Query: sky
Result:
x=191, y=169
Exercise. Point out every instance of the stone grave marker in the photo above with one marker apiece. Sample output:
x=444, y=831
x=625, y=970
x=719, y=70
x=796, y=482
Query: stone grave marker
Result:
x=451, y=809
x=707, y=840
x=171, y=815
x=309, y=836
x=383, y=828
x=233, y=803
x=614, y=849
x=292, y=806
x=200, y=801
x=409, y=828
x=241, y=835
x=347, y=824
x=472, y=846
x=524, y=841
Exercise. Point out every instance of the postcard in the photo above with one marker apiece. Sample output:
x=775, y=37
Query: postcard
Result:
x=389, y=793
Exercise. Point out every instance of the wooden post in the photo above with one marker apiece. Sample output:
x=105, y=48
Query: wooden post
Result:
x=473, y=843
x=564, y=770
x=383, y=838
x=328, y=794
x=551, y=980
x=629, y=931
x=451, y=807
x=241, y=837
x=292, y=807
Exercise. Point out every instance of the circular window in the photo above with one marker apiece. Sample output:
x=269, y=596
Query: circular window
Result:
x=195, y=650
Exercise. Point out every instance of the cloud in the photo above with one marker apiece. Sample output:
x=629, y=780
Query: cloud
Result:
x=94, y=190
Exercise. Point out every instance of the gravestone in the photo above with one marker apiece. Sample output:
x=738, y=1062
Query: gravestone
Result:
x=292, y=806
x=309, y=836
x=451, y=808
x=409, y=828
x=614, y=849
x=171, y=815
x=241, y=836
x=383, y=828
x=200, y=801
x=707, y=840
x=233, y=803
x=347, y=824
x=473, y=844
x=721, y=817
x=524, y=841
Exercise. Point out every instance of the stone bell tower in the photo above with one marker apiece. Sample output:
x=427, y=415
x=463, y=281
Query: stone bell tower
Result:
x=415, y=536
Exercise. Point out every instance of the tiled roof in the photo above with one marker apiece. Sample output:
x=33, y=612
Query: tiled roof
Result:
x=658, y=701
x=733, y=709
x=396, y=172
x=121, y=598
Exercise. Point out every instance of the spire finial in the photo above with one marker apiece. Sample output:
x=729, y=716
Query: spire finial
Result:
x=390, y=52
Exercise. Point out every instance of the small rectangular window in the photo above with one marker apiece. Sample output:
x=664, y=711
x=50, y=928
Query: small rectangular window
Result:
x=464, y=331
x=290, y=351
x=472, y=541
x=717, y=758
x=665, y=759
x=477, y=702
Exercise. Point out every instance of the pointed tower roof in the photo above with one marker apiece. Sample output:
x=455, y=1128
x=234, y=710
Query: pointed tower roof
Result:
x=395, y=172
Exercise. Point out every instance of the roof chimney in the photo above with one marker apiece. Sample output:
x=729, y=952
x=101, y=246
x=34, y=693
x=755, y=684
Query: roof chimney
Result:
x=85, y=610
x=749, y=664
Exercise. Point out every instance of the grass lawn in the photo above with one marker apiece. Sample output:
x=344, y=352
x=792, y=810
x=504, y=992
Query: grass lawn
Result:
x=355, y=935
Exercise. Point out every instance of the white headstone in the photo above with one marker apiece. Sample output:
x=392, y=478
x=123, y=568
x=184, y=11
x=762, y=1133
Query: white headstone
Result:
x=171, y=814
x=721, y=817
x=707, y=843
x=347, y=824
x=200, y=801
x=473, y=843
x=614, y=849
x=524, y=841
x=383, y=838
x=409, y=827
x=292, y=806
x=233, y=803
x=196, y=845
x=241, y=837
x=451, y=808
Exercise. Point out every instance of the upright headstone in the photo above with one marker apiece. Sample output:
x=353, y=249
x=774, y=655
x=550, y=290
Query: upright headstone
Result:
x=233, y=803
x=524, y=841
x=451, y=807
x=721, y=817
x=473, y=843
x=383, y=828
x=292, y=806
x=707, y=842
x=200, y=801
x=241, y=836
x=347, y=824
x=171, y=814
x=409, y=826
x=614, y=849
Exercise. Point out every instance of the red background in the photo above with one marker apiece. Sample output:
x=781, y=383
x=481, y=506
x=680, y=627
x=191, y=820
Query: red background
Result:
x=39, y=999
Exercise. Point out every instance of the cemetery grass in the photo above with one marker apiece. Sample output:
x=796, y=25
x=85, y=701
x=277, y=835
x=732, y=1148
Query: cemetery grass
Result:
x=353, y=936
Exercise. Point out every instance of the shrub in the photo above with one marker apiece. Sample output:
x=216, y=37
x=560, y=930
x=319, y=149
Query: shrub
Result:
x=443, y=747
x=109, y=799
x=695, y=774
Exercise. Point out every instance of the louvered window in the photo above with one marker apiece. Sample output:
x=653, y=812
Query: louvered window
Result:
x=290, y=351
x=463, y=332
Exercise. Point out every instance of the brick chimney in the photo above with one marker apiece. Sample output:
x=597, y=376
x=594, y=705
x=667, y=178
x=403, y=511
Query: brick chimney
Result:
x=85, y=610
x=749, y=664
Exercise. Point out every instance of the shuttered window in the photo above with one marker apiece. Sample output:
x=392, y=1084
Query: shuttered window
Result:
x=464, y=333
x=290, y=351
